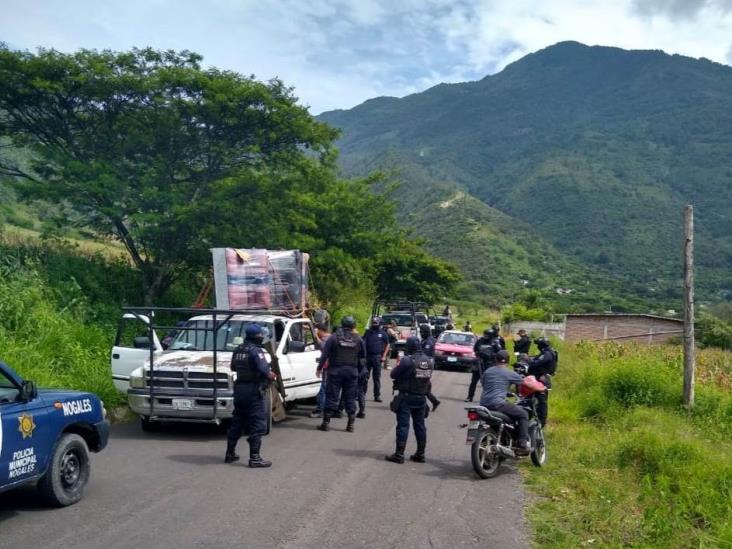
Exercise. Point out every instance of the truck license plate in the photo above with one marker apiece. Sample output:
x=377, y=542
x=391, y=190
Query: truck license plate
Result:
x=182, y=404
x=452, y=359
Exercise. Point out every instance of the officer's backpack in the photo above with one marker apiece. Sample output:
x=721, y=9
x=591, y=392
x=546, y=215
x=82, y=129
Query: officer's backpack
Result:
x=486, y=351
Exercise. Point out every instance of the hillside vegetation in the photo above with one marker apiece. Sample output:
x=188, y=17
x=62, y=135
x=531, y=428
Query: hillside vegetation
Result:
x=595, y=149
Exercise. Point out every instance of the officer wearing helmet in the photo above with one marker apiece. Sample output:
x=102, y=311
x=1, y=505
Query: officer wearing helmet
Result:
x=345, y=353
x=250, y=388
x=497, y=330
x=376, y=341
x=428, y=347
x=412, y=378
x=542, y=367
x=485, y=350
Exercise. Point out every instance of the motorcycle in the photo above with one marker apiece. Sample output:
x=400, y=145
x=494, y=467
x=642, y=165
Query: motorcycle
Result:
x=492, y=436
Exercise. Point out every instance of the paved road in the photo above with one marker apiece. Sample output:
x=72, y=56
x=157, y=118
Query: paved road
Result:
x=325, y=490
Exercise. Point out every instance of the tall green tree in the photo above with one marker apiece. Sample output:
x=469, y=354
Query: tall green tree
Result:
x=140, y=141
x=173, y=159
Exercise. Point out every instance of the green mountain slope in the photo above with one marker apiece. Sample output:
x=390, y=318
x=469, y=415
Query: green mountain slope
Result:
x=596, y=149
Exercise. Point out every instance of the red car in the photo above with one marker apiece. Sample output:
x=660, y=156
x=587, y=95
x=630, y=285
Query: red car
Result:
x=454, y=349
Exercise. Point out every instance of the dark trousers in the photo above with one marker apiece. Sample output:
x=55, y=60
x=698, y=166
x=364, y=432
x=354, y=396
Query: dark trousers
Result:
x=341, y=379
x=413, y=406
x=373, y=365
x=475, y=377
x=250, y=414
x=542, y=406
x=518, y=415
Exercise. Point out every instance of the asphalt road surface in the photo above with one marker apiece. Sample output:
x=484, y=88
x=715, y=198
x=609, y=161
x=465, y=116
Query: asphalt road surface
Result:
x=325, y=490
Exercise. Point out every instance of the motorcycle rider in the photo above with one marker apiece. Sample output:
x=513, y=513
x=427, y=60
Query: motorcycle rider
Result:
x=496, y=382
x=542, y=367
x=485, y=349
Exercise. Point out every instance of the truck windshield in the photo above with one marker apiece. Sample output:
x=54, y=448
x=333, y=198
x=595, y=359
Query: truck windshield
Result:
x=402, y=319
x=199, y=335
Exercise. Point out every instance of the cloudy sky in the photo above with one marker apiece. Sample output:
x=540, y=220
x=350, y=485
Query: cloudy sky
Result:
x=338, y=53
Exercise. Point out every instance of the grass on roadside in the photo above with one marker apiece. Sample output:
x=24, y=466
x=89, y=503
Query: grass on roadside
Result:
x=628, y=467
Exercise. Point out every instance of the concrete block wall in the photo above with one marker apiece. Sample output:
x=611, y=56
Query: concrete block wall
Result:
x=622, y=328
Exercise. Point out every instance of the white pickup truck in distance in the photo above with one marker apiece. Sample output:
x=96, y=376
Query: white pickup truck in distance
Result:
x=183, y=374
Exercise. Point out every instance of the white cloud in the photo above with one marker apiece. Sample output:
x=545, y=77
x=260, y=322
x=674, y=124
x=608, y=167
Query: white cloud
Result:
x=337, y=53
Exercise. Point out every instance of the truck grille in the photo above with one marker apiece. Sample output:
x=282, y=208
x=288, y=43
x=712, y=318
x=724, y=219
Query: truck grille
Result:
x=177, y=379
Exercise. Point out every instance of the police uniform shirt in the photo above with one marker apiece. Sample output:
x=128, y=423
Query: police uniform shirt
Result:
x=428, y=346
x=257, y=359
x=375, y=341
x=542, y=364
x=329, y=349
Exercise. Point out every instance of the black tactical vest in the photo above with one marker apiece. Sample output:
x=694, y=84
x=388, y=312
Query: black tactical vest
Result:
x=346, y=349
x=421, y=375
x=245, y=370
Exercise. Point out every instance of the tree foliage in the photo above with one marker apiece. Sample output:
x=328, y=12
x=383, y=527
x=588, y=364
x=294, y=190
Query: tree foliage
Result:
x=173, y=159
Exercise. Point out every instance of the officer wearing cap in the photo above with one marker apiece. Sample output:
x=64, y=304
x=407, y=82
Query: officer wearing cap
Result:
x=250, y=389
x=412, y=378
x=377, y=347
x=345, y=353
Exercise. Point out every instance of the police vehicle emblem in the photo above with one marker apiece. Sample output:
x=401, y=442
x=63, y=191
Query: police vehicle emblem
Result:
x=26, y=426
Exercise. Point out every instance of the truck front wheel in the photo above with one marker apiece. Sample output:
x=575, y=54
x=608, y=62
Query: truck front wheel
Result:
x=67, y=473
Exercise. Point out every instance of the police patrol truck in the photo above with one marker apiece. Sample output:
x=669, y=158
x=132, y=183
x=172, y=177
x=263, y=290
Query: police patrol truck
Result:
x=45, y=437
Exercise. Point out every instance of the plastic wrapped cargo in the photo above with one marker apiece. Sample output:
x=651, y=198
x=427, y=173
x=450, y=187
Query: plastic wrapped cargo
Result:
x=261, y=280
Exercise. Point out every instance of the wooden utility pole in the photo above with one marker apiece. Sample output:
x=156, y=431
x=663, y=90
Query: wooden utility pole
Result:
x=689, y=307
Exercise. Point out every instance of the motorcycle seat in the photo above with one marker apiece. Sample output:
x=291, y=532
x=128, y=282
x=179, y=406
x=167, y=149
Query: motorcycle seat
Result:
x=503, y=417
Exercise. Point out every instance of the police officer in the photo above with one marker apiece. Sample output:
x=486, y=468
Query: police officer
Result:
x=542, y=367
x=428, y=348
x=412, y=379
x=250, y=388
x=345, y=353
x=497, y=329
x=523, y=343
x=377, y=347
x=485, y=350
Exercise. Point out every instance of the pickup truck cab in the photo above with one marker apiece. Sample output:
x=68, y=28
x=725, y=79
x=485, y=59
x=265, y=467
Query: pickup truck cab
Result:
x=183, y=374
x=45, y=437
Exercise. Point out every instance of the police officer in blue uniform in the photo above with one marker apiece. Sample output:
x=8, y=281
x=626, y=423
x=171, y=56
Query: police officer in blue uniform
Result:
x=542, y=367
x=428, y=348
x=485, y=350
x=412, y=379
x=377, y=346
x=250, y=410
x=345, y=353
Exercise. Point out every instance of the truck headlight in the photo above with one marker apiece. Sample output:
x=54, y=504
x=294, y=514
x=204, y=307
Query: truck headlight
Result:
x=136, y=383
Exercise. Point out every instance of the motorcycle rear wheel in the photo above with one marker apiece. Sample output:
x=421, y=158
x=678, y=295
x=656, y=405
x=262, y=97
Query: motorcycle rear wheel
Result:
x=538, y=447
x=485, y=458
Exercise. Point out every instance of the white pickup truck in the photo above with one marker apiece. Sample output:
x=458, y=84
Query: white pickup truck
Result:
x=183, y=374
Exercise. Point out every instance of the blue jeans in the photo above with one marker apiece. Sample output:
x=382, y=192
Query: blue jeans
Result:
x=411, y=405
x=320, y=399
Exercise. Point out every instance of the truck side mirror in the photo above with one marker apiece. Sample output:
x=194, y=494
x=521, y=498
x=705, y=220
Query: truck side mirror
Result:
x=141, y=342
x=295, y=346
x=28, y=391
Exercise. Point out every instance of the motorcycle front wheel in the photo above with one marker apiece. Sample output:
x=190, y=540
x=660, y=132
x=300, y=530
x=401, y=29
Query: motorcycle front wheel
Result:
x=538, y=447
x=485, y=458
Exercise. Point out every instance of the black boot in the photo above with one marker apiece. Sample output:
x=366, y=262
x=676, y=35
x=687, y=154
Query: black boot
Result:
x=419, y=456
x=325, y=425
x=351, y=421
x=398, y=455
x=255, y=460
x=361, y=414
x=231, y=455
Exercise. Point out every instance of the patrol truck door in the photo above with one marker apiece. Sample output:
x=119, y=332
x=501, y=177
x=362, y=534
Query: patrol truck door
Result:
x=301, y=355
x=24, y=430
x=131, y=348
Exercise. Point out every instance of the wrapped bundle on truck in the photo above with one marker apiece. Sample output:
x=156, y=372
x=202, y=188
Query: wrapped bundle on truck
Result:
x=261, y=280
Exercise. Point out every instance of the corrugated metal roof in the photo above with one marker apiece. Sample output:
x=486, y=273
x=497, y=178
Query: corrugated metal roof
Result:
x=624, y=315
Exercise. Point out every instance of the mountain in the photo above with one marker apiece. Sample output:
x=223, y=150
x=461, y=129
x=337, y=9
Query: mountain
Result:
x=582, y=156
